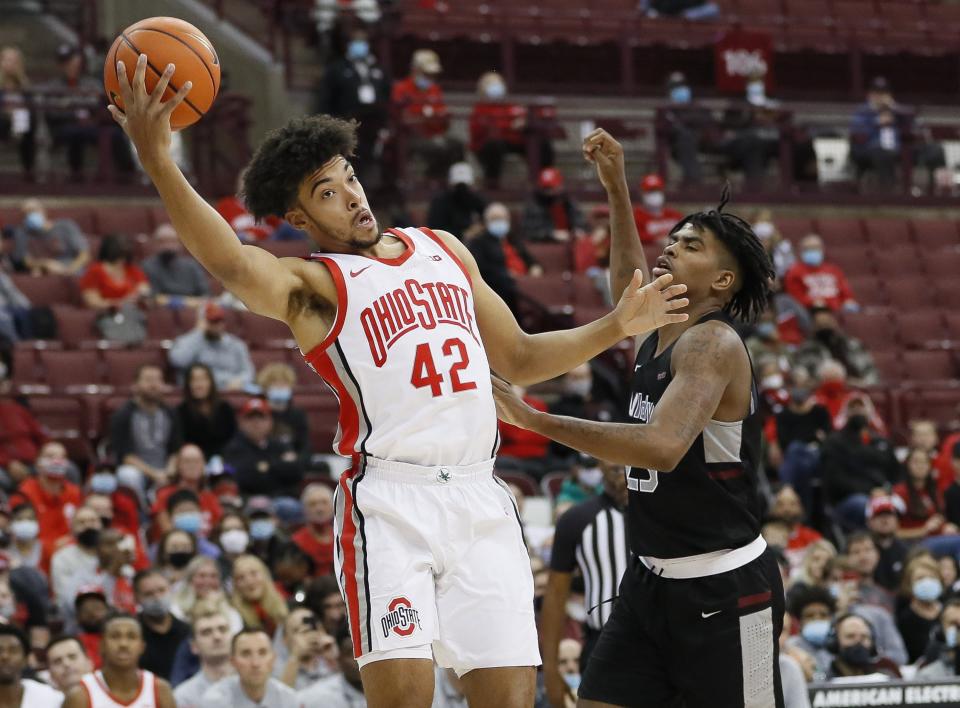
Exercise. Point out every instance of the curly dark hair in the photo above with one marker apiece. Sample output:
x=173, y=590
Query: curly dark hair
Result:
x=289, y=154
x=750, y=300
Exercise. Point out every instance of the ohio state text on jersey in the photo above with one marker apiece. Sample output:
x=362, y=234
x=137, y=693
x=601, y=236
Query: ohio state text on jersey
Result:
x=404, y=357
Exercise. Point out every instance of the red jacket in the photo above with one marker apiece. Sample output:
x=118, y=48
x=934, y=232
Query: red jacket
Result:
x=20, y=434
x=242, y=221
x=826, y=284
x=497, y=121
x=53, y=511
x=653, y=228
x=423, y=111
x=518, y=442
x=943, y=463
x=317, y=546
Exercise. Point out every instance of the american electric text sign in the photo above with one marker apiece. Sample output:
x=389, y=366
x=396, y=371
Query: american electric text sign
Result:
x=942, y=694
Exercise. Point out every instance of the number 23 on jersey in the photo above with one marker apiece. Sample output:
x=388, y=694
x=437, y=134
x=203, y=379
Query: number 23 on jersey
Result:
x=642, y=480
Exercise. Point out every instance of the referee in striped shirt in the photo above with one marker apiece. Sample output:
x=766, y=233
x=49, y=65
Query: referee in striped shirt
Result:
x=590, y=536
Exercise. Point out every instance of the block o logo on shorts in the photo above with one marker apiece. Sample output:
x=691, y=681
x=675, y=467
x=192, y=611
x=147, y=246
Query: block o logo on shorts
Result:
x=401, y=618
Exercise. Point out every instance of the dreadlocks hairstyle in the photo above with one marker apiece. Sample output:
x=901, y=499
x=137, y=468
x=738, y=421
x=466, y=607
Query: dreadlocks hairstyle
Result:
x=289, y=154
x=755, y=266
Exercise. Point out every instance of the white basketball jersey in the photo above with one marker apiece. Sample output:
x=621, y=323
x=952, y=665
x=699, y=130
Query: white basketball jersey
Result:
x=100, y=696
x=404, y=357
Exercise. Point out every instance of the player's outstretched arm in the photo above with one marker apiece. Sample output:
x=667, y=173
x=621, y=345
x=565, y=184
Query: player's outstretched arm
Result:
x=704, y=362
x=254, y=275
x=626, y=251
x=527, y=359
x=165, y=695
x=77, y=698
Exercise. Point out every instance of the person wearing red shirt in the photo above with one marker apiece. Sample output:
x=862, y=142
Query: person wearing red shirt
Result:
x=420, y=110
x=521, y=443
x=788, y=508
x=813, y=281
x=316, y=537
x=189, y=471
x=113, y=280
x=654, y=220
x=91, y=610
x=50, y=494
x=21, y=435
x=924, y=504
x=247, y=228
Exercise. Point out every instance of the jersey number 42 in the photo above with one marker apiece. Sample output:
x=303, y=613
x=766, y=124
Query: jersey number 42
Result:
x=425, y=374
x=642, y=480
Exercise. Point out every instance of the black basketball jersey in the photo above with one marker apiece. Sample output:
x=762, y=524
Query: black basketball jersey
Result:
x=710, y=501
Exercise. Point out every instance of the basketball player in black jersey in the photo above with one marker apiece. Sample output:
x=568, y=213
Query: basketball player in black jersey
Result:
x=701, y=607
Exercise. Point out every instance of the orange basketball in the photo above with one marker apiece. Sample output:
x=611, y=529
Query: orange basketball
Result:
x=167, y=40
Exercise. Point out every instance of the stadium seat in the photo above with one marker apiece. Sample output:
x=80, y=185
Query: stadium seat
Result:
x=552, y=482
x=25, y=369
x=262, y=357
x=307, y=378
x=67, y=369
x=889, y=365
x=122, y=364
x=162, y=323
x=75, y=324
x=58, y=414
x=585, y=292
x=868, y=290
x=943, y=265
x=939, y=404
x=888, y=233
x=794, y=228
x=47, y=289
x=323, y=413
x=840, y=230
x=936, y=233
x=923, y=366
x=552, y=257
x=894, y=262
x=916, y=328
x=124, y=220
x=526, y=483
x=83, y=216
x=910, y=292
x=551, y=291
x=874, y=329
x=259, y=329
x=853, y=259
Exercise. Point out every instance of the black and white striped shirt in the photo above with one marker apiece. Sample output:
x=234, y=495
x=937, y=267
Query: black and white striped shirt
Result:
x=592, y=536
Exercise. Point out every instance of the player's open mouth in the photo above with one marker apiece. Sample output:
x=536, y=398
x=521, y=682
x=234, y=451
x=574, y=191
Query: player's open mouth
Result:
x=662, y=266
x=364, y=220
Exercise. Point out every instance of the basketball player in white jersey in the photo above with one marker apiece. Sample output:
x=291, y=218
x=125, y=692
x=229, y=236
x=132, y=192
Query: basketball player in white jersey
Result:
x=16, y=691
x=119, y=683
x=430, y=555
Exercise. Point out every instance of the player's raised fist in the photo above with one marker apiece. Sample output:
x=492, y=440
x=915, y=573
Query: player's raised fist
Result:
x=601, y=149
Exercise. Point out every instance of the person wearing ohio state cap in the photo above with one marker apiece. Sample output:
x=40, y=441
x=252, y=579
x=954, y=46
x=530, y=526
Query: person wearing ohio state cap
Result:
x=883, y=521
x=210, y=343
x=262, y=464
x=654, y=219
x=50, y=493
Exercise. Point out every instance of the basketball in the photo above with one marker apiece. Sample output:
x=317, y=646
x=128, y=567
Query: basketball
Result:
x=167, y=40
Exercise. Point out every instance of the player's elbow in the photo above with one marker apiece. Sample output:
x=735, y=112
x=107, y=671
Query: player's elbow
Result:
x=666, y=456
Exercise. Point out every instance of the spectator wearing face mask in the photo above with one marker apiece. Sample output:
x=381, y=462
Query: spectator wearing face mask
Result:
x=498, y=127
x=421, y=111
x=829, y=341
x=853, y=644
x=585, y=482
x=265, y=538
x=777, y=247
x=498, y=257
x=77, y=555
x=227, y=356
x=24, y=549
x=185, y=513
x=654, y=219
x=117, y=509
x=316, y=536
x=815, y=281
x=162, y=632
x=190, y=476
x=176, y=279
x=45, y=246
x=835, y=394
x=921, y=590
x=233, y=537
x=175, y=550
x=767, y=343
x=942, y=659
x=51, y=495
x=459, y=208
x=290, y=424
x=813, y=609
x=877, y=129
x=354, y=85
x=685, y=125
x=550, y=214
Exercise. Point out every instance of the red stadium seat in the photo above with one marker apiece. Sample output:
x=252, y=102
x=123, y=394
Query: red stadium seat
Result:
x=47, y=289
x=25, y=367
x=922, y=366
x=868, y=290
x=853, y=259
x=323, y=413
x=59, y=414
x=83, y=216
x=794, y=228
x=551, y=291
x=68, y=369
x=943, y=265
x=552, y=482
x=122, y=364
x=262, y=357
x=889, y=365
x=892, y=262
x=162, y=323
x=75, y=324
x=916, y=328
x=287, y=249
x=124, y=220
x=840, y=230
x=552, y=257
x=936, y=233
x=910, y=292
x=260, y=329
x=526, y=483
x=938, y=404
x=887, y=232
x=874, y=329
x=853, y=12
x=585, y=292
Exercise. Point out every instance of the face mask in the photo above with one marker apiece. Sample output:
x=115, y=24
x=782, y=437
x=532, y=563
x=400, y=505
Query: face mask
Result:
x=772, y=381
x=190, y=521
x=681, y=94
x=857, y=655
x=799, y=395
x=495, y=90
x=857, y=422
x=234, y=541
x=756, y=92
x=927, y=589
x=103, y=483
x=653, y=200
x=498, y=227
x=812, y=258
x=279, y=396
x=816, y=632
x=834, y=590
x=590, y=477
x=212, y=336
x=422, y=82
x=34, y=221
x=167, y=257
x=763, y=230
x=262, y=529
x=180, y=559
x=573, y=681
x=90, y=627
x=156, y=608
x=25, y=529
x=950, y=636
x=766, y=330
x=578, y=387
x=106, y=521
x=88, y=538
x=53, y=468
x=6, y=611
x=358, y=49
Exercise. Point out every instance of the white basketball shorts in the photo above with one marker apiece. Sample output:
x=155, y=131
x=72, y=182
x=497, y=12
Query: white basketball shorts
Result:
x=432, y=565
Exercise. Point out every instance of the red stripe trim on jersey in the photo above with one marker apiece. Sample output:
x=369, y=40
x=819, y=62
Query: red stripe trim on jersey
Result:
x=349, y=418
x=86, y=689
x=454, y=256
x=725, y=474
x=349, y=567
x=156, y=692
x=759, y=598
x=402, y=258
x=106, y=689
x=334, y=332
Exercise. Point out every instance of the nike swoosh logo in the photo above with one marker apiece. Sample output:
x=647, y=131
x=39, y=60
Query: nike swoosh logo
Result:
x=355, y=273
x=710, y=614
